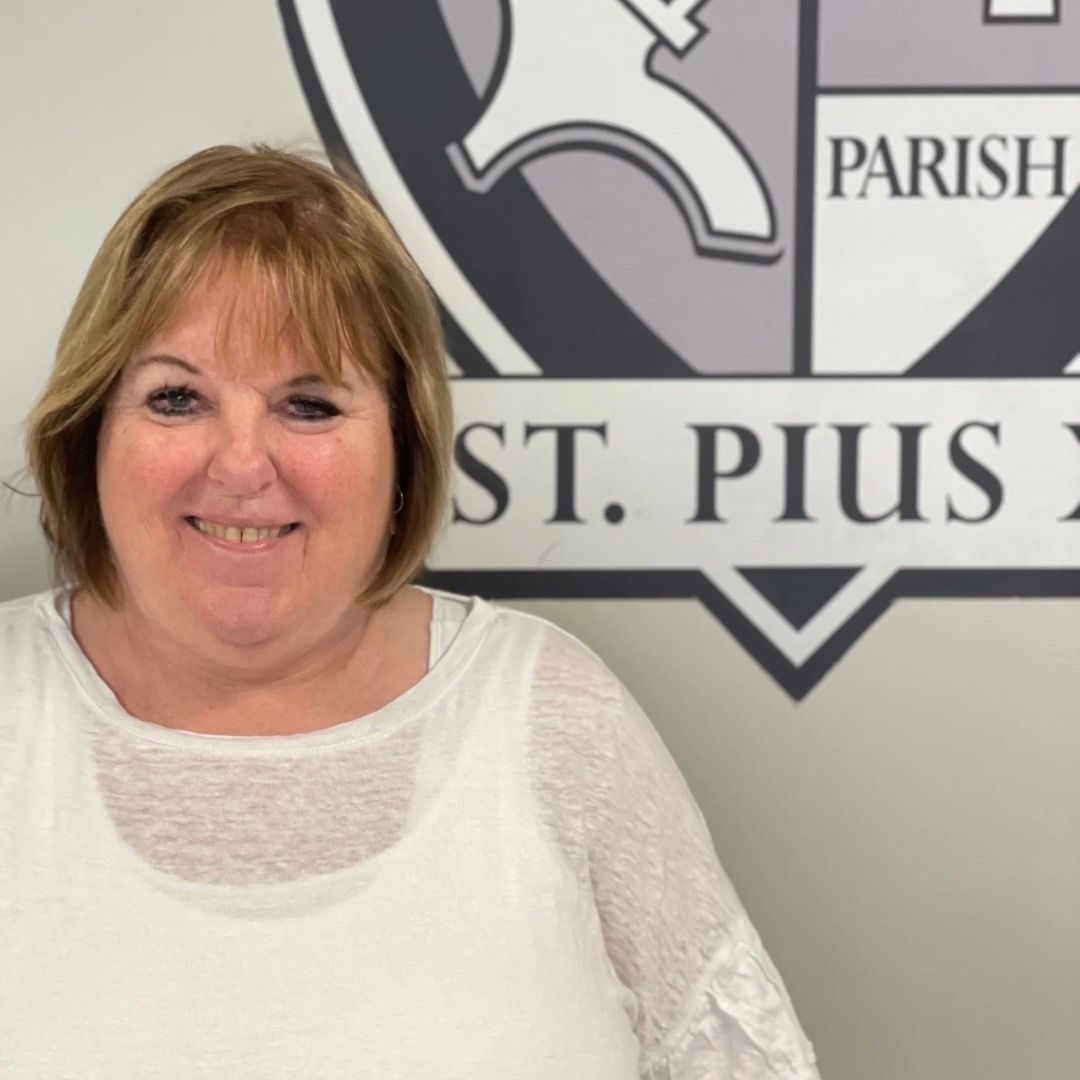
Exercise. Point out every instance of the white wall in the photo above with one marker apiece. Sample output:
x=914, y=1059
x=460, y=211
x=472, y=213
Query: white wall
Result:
x=906, y=839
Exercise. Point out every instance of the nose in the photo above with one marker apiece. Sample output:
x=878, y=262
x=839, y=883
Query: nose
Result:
x=241, y=462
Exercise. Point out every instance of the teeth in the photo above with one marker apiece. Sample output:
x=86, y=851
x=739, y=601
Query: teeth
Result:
x=247, y=535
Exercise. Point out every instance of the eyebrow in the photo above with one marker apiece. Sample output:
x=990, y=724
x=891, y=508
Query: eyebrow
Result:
x=164, y=359
x=310, y=378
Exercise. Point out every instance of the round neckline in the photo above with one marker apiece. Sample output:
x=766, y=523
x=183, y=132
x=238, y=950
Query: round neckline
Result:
x=362, y=729
x=309, y=896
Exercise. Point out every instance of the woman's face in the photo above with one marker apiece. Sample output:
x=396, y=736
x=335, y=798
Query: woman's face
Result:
x=241, y=494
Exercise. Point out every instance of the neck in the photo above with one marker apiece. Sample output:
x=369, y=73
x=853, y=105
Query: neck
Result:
x=280, y=686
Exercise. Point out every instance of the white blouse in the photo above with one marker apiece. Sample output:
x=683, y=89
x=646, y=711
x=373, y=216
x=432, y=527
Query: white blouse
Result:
x=500, y=874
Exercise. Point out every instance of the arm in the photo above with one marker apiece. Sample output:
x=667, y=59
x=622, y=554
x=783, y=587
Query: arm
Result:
x=712, y=1005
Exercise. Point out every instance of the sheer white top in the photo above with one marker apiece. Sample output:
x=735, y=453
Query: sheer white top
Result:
x=499, y=874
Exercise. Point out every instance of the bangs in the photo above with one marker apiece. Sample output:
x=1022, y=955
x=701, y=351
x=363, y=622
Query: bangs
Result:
x=291, y=291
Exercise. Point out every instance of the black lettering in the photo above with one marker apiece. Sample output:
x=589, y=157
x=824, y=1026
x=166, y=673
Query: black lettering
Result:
x=842, y=163
x=993, y=166
x=963, y=153
x=882, y=156
x=977, y=472
x=1075, y=515
x=795, y=472
x=1026, y=166
x=565, y=464
x=932, y=167
x=708, y=473
x=907, y=505
x=480, y=473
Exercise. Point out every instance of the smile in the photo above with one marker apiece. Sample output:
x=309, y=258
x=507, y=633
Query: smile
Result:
x=241, y=534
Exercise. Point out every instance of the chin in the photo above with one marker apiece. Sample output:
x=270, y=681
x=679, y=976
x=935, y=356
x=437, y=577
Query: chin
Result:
x=241, y=615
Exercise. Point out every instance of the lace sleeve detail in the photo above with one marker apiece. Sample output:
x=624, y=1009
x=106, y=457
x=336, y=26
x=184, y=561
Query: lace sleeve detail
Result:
x=740, y=1026
x=711, y=1004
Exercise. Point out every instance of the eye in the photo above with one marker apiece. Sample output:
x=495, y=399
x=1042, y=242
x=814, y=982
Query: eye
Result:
x=305, y=408
x=173, y=401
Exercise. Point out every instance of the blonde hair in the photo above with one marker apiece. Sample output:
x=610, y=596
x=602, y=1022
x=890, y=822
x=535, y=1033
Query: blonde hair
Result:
x=322, y=246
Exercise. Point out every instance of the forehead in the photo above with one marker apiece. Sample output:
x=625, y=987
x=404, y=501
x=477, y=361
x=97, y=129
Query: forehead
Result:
x=239, y=322
x=230, y=322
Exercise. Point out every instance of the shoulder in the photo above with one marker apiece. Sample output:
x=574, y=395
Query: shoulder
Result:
x=582, y=725
x=24, y=621
x=28, y=672
x=30, y=630
x=535, y=649
x=560, y=658
x=585, y=727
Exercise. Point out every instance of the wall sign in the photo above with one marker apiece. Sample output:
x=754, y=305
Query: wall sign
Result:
x=776, y=305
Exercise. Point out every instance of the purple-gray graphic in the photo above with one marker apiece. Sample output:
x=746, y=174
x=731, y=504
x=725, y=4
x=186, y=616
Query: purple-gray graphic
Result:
x=776, y=288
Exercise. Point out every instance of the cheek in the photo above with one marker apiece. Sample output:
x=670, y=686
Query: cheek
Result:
x=341, y=478
x=139, y=470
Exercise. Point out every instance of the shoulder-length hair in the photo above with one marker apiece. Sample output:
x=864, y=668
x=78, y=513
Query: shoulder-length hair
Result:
x=325, y=250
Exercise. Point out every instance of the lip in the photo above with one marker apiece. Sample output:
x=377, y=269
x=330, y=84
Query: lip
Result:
x=238, y=547
x=240, y=523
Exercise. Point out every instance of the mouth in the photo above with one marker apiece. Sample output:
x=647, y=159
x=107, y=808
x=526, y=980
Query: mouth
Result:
x=241, y=534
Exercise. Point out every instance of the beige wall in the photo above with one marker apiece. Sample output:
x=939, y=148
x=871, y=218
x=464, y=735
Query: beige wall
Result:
x=907, y=839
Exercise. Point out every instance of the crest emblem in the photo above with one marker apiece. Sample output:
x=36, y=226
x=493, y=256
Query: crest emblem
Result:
x=771, y=305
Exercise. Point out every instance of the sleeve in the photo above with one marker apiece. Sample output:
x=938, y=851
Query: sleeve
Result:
x=712, y=1006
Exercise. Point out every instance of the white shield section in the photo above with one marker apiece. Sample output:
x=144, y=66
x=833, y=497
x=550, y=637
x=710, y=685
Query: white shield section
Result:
x=1022, y=9
x=893, y=273
x=650, y=466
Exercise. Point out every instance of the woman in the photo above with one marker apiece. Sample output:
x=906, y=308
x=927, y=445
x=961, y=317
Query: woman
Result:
x=267, y=809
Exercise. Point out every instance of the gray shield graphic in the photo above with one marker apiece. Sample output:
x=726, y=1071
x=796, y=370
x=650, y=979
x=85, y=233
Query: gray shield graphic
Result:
x=802, y=203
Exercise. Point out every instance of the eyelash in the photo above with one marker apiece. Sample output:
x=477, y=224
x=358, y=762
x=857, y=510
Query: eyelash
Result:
x=158, y=403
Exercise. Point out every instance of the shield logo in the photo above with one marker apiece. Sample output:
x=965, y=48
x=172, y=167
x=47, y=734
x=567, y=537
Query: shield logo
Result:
x=768, y=304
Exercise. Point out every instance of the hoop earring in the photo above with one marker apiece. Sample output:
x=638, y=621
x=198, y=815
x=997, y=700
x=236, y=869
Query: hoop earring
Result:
x=397, y=510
